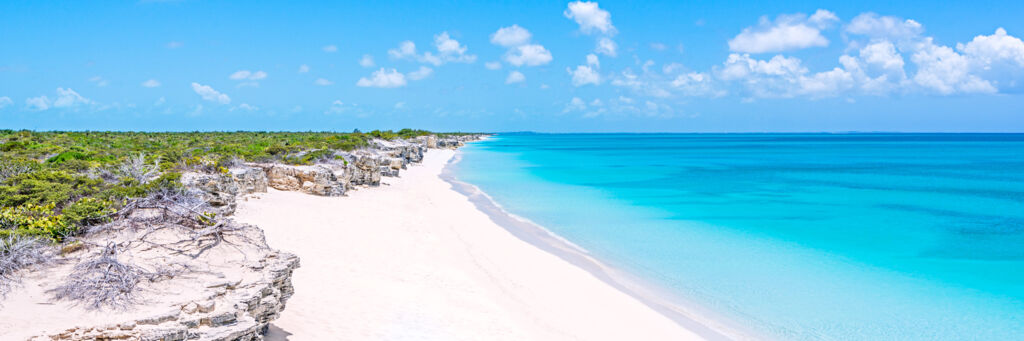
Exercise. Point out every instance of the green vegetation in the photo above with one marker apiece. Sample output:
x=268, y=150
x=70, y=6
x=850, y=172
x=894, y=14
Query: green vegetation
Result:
x=54, y=184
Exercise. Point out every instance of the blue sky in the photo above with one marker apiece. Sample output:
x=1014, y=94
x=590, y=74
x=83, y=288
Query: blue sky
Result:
x=698, y=66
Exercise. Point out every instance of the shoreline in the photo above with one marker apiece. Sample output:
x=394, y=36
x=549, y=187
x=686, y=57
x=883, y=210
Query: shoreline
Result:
x=416, y=259
x=658, y=299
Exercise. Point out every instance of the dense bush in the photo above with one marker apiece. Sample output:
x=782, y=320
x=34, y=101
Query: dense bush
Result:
x=54, y=183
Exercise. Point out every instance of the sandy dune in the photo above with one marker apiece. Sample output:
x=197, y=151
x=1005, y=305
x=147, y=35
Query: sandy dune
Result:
x=415, y=260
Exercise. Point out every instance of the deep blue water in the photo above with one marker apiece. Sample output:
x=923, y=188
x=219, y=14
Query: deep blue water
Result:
x=796, y=236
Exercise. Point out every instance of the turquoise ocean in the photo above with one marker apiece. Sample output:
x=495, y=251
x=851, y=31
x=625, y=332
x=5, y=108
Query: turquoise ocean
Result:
x=792, y=236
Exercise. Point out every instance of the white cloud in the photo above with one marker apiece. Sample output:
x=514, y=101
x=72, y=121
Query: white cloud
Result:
x=520, y=51
x=422, y=73
x=593, y=61
x=511, y=36
x=451, y=50
x=993, y=49
x=383, y=78
x=248, y=75
x=448, y=50
x=367, y=61
x=941, y=69
x=515, y=77
x=787, y=32
x=606, y=47
x=151, y=83
x=590, y=17
x=67, y=98
x=529, y=55
x=209, y=94
x=883, y=55
x=330, y=48
x=823, y=18
x=5, y=102
x=875, y=26
x=322, y=82
x=594, y=20
x=37, y=103
x=303, y=68
x=399, y=105
x=405, y=49
x=584, y=75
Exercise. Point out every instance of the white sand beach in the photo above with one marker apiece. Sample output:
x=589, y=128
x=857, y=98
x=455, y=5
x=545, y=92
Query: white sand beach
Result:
x=415, y=260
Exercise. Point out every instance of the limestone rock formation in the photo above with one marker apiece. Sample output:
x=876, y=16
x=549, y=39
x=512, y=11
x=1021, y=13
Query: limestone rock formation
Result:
x=218, y=190
x=317, y=180
x=249, y=180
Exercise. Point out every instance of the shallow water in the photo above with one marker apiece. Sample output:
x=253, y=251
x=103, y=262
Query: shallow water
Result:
x=798, y=236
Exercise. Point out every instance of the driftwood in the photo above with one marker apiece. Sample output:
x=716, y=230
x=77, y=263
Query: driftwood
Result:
x=16, y=253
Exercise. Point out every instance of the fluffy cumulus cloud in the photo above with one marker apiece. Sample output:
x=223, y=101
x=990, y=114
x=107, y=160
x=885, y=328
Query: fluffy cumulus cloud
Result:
x=590, y=17
x=943, y=70
x=303, y=68
x=209, y=94
x=322, y=82
x=421, y=73
x=783, y=77
x=448, y=50
x=583, y=75
x=529, y=55
x=520, y=50
x=515, y=77
x=511, y=36
x=383, y=78
x=492, y=65
x=787, y=32
x=151, y=83
x=886, y=55
x=5, y=102
x=593, y=20
x=992, y=50
x=330, y=48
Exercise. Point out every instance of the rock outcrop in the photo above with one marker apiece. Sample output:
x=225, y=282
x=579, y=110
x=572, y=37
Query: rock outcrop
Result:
x=316, y=180
x=226, y=310
x=218, y=190
x=250, y=180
